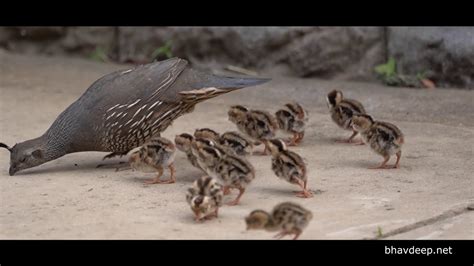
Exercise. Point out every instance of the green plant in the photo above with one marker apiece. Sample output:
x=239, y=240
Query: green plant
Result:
x=379, y=232
x=164, y=50
x=388, y=69
x=99, y=54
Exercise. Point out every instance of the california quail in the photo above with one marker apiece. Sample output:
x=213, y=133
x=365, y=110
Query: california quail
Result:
x=122, y=110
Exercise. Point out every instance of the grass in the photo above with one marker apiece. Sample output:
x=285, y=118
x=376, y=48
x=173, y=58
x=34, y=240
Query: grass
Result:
x=99, y=54
x=163, y=51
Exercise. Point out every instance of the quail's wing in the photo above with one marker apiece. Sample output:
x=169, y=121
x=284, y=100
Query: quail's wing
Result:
x=127, y=90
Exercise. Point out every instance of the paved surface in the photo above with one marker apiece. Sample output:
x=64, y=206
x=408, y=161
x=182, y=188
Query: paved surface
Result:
x=69, y=198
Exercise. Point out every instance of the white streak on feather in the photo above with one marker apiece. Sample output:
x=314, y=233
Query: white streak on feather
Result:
x=133, y=104
x=149, y=114
x=110, y=116
x=153, y=105
x=111, y=108
x=167, y=80
x=138, y=111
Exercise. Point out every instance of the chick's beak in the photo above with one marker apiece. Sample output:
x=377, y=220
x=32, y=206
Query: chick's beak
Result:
x=12, y=170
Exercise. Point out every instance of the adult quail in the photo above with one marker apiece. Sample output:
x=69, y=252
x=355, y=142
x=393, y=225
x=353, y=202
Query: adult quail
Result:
x=123, y=109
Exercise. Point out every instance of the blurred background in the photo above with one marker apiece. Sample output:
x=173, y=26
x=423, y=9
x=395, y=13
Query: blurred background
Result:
x=421, y=57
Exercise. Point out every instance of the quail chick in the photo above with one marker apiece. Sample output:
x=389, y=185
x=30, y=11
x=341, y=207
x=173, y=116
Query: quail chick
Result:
x=183, y=143
x=289, y=166
x=236, y=172
x=293, y=119
x=237, y=142
x=382, y=137
x=206, y=133
x=238, y=114
x=231, y=170
x=205, y=197
x=154, y=155
x=342, y=111
x=287, y=217
x=207, y=153
x=258, y=124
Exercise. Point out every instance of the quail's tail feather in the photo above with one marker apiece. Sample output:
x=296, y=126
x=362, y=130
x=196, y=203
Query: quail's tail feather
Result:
x=238, y=83
x=231, y=83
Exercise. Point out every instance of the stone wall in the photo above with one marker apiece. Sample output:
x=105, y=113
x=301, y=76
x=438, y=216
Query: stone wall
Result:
x=347, y=53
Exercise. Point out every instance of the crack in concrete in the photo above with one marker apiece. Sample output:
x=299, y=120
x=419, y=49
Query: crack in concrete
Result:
x=443, y=216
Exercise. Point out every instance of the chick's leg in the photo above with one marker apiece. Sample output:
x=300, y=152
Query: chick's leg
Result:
x=399, y=155
x=293, y=141
x=172, y=178
x=196, y=216
x=226, y=190
x=265, y=150
x=155, y=180
x=300, y=137
x=237, y=200
x=350, y=139
x=305, y=193
x=282, y=234
x=297, y=234
x=383, y=165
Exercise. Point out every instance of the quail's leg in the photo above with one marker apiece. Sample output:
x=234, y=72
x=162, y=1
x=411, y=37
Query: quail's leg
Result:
x=293, y=141
x=226, y=190
x=211, y=215
x=300, y=137
x=172, y=178
x=196, y=216
x=264, y=152
x=349, y=140
x=383, y=165
x=297, y=234
x=112, y=155
x=155, y=180
x=237, y=200
x=281, y=234
x=397, y=164
x=305, y=193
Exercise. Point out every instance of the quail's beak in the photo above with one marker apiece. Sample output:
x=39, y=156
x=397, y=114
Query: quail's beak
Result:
x=12, y=170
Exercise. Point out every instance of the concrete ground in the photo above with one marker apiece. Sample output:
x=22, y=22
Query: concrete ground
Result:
x=430, y=197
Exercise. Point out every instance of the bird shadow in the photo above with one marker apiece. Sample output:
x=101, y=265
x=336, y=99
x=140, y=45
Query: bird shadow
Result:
x=65, y=167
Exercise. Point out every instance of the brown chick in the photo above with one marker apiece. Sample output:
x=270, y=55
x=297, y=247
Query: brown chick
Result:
x=231, y=170
x=287, y=217
x=342, y=111
x=382, y=137
x=237, y=142
x=289, y=166
x=205, y=198
x=183, y=143
x=293, y=119
x=258, y=124
x=206, y=133
x=152, y=156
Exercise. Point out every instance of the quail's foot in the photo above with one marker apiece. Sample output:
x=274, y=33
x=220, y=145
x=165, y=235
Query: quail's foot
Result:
x=236, y=201
x=227, y=190
x=264, y=152
x=305, y=193
x=383, y=165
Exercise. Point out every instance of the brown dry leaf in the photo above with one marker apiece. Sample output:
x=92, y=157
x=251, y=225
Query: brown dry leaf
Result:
x=428, y=84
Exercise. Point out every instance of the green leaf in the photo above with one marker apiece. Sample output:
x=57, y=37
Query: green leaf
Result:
x=388, y=69
x=163, y=50
x=99, y=54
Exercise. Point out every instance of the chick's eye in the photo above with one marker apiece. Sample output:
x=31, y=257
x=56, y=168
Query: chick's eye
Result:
x=22, y=160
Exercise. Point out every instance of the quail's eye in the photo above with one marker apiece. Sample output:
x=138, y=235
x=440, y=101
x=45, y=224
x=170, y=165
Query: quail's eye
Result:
x=22, y=160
